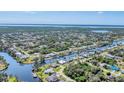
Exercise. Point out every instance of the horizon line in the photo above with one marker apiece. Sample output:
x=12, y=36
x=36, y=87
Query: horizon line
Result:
x=60, y=24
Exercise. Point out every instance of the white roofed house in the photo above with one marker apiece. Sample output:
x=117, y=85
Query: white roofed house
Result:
x=50, y=70
x=20, y=55
x=61, y=61
x=50, y=55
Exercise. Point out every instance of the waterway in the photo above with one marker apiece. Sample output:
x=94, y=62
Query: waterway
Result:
x=22, y=71
x=100, y=31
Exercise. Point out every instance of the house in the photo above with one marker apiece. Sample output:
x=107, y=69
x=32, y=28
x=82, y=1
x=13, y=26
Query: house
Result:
x=53, y=78
x=50, y=70
x=54, y=65
x=102, y=64
x=50, y=55
x=20, y=55
x=110, y=56
x=61, y=61
x=122, y=71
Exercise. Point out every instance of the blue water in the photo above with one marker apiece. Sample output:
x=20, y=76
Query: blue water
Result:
x=66, y=58
x=61, y=25
x=22, y=72
x=100, y=31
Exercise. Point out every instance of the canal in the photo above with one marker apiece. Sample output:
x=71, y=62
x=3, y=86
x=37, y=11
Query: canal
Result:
x=22, y=71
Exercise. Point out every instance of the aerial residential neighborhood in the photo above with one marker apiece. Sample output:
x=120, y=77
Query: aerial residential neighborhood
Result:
x=64, y=54
x=61, y=52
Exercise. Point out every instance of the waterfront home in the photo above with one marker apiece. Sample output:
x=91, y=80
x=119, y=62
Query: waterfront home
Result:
x=54, y=65
x=61, y=61
x=50, y=55
x=53, y=78
x=110, y=56
x=91, y=53
x=20, y=55
x=50, y=70
x=113, y=57
x=36, y=54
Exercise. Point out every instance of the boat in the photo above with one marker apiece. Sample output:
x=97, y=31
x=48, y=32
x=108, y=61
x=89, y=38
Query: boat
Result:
x=34, y=75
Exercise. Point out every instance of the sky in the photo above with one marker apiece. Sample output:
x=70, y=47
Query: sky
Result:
x=57, y=17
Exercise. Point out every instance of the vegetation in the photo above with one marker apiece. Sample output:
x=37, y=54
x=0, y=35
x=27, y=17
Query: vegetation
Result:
x=118, y=52
x=3, y=77
x=25, y=42
x=3, y=63
x=12, y=79
x=83, y=72
x=37, y=44
x=106, y=60
x=7, y=78
x=40, y=72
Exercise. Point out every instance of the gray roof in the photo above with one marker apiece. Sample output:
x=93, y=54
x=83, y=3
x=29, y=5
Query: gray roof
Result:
x=53, y=78
x=50, y=70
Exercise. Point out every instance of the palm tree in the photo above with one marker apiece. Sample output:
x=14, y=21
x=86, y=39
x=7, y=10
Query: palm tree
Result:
x=38, y=63
x=41, y=59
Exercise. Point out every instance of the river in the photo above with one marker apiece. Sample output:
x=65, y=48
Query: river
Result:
x=22, y=71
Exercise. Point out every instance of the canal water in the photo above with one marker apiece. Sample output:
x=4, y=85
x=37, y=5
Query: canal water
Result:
x=22, y=72
x=100, y=31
